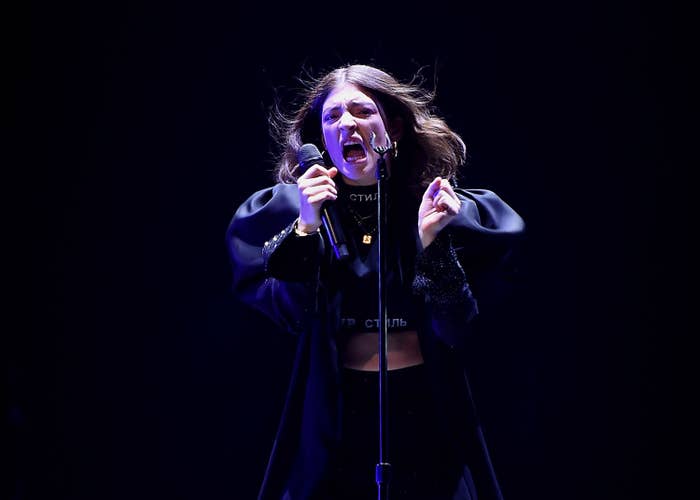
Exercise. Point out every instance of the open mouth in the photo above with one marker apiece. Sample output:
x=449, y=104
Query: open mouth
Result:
x=354, y=152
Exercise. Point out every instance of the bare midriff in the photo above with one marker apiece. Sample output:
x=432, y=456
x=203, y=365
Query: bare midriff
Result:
x=360, y=351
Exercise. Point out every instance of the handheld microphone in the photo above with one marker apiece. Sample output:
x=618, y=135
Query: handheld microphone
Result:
x=310, y=155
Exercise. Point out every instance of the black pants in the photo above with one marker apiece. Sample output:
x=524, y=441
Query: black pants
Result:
x=421, y=450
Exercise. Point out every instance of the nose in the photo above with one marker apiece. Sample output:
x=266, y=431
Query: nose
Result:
x=347, y=121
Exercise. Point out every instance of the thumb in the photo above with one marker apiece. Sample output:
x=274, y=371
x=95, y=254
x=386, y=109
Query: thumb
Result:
x=432, y=189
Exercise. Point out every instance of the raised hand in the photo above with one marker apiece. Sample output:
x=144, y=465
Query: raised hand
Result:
x=438, y=207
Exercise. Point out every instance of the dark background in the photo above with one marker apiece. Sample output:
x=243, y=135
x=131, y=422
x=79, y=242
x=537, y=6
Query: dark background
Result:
x=139, y=128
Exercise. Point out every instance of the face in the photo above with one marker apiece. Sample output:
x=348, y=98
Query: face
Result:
x=348, y=118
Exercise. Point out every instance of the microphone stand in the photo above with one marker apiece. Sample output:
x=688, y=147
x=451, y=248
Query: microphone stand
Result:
x=383, y=468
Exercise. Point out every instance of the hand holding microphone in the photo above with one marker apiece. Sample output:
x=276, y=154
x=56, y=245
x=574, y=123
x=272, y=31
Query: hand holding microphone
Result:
x=317, y=193
x=316, y=186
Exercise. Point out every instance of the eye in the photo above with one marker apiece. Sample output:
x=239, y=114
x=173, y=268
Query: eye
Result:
x=331, y=116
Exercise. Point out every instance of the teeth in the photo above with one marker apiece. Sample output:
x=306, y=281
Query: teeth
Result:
x=350, y=142
x=356, y=155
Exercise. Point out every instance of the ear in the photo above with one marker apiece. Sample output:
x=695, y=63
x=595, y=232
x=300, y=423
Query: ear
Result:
x=396, y=128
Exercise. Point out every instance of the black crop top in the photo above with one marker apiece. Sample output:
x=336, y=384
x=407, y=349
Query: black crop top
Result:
x=359, y=277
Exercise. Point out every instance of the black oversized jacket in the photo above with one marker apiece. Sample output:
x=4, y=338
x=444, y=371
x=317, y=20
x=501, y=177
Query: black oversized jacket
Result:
x=290, y=279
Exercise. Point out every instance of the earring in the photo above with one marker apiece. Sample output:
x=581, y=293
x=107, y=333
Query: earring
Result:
x=395, y=149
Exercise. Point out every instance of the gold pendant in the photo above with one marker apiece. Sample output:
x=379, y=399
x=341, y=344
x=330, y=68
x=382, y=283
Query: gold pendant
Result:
x=367, y=239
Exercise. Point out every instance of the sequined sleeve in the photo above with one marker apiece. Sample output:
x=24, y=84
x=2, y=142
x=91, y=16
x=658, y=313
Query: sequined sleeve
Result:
x=439, y=275
x=467, y=262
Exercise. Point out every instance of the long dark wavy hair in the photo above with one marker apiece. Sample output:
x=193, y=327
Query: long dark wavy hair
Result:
x=427, y=148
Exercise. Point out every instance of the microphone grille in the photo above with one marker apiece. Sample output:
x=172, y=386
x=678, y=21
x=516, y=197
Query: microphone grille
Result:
x=309, y=155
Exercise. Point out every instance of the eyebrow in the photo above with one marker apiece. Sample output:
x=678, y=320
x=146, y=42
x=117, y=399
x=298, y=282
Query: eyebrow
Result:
x=354, y=102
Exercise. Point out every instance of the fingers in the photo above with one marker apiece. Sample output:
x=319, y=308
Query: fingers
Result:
x=317, y=176
x=444, y=202
x=317, y=170
x=445, y=184
x=316, y=186
x=441, y=196
x=316, y=194
x=432, y=189
x=439, y=206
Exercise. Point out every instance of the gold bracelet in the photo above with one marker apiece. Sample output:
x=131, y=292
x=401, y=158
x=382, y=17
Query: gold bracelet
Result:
x=299, y=232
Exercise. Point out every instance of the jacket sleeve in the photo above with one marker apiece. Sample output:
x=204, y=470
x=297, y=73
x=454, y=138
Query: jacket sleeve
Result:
x=470, y=260
x=274, y=270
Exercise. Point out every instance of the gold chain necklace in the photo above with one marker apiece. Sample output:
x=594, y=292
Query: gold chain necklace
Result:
x=368, y=233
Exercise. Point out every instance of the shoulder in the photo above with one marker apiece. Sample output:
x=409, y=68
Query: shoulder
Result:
x=266, y=209
x=486, y=224
x=276, y=199
x=485, y=211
